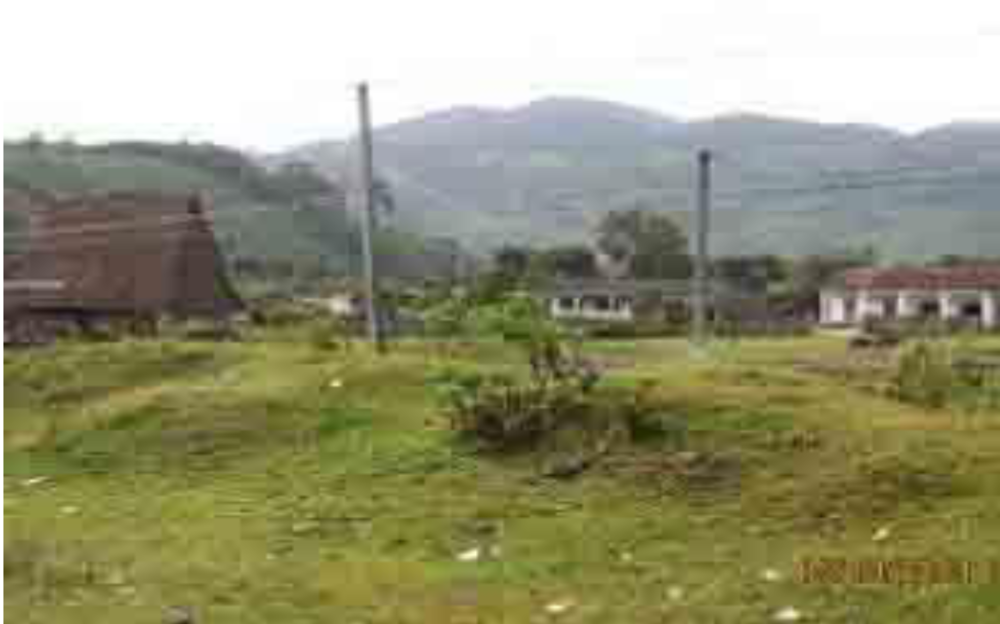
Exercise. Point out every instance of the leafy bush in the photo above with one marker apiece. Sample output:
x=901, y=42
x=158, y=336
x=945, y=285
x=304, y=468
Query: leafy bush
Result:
x=552, y=350
x=284, y=313
x=447, y=318
x=332, y=334
x=925, y=375
x=939, y=375
x=636, y=330
x=556, y=393
x=501, y=412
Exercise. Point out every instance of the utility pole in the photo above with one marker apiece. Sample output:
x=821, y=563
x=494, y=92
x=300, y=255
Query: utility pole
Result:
x=701, y=293
x=368, y=220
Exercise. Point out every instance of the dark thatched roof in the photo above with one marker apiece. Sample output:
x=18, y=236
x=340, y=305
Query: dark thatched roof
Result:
x=126, y=253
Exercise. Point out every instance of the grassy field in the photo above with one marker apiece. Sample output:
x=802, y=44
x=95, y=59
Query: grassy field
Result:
x=271, y=481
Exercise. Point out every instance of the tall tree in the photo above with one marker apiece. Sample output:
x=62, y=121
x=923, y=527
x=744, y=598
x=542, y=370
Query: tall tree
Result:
x=751, y=272
x=653, y=245
x=569, y=261
x=512, y=262
x=810, y=274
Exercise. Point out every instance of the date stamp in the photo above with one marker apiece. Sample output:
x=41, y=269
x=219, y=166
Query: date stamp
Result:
x=897, y=572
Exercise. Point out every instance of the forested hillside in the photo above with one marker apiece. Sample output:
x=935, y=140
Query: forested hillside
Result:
x=548, y=171
x=287, y=217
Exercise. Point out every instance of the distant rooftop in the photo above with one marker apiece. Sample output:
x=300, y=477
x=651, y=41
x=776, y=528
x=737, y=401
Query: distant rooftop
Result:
x=970, y=277
x=631, y=287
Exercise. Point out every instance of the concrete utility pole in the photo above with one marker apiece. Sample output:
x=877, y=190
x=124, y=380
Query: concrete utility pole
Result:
x=368, y=220
x=701, y=293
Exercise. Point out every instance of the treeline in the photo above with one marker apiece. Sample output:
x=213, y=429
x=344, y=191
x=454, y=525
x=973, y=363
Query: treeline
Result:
x=640, y=245
x=282, y=227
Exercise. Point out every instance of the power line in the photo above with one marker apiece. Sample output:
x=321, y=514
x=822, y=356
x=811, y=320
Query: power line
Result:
x=860, y=185
x=852, y=180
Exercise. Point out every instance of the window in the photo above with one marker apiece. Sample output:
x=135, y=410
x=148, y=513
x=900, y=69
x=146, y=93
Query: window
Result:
x=930, y=308
x=972, y=310
x=602, y=303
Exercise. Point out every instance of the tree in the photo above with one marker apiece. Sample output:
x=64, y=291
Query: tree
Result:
x=810, y=274
x=956, y=260
x=35, y=141
x=570, y=261
x=653, y=246
x=510, y=271
x=750, y=272
x=384, y=200
x=512, y=262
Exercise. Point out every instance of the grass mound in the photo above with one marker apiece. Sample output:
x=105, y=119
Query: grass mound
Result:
x=274, y=480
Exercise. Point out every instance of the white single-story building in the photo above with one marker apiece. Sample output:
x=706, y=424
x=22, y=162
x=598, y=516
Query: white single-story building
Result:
x=345, y=304
x=604, y=302
x=600, y=300
x=965, y=294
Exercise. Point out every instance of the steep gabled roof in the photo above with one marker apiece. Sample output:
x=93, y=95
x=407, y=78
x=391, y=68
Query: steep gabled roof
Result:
x=123, y=252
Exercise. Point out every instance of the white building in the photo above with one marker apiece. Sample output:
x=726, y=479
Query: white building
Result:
x=625, y=301
x=964, y=294
x=593, y=304
x=344, y=304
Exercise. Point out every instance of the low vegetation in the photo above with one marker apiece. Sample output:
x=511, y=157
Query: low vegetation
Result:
x=278, y=480
x=940, y=374
x=555, y=394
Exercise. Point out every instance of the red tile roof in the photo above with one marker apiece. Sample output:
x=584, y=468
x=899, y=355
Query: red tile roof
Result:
x=970, y=277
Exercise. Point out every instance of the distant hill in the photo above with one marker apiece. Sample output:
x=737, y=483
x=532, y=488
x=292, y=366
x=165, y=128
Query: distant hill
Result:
x=548, y=171
x=288, y=213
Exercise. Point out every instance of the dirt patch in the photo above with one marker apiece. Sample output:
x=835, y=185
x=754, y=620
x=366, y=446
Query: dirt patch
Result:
x=874, y=487
x=683, y=474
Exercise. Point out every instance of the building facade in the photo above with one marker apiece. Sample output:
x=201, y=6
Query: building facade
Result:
x=624, y=301
x=968, y=295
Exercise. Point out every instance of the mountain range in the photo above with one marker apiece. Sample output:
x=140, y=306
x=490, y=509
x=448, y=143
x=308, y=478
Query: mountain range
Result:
x=548, y=171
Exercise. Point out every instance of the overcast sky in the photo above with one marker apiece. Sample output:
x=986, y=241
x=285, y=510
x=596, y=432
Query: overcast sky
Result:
x=268, y=75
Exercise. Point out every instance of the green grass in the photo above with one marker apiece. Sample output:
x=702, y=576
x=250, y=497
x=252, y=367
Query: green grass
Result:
x=235, y=480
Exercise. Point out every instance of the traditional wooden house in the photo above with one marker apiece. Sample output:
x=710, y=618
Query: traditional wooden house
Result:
x=135, y=257
x=963, y=294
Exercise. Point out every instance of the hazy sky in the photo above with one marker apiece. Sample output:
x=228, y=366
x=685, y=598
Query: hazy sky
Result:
x=273, y=74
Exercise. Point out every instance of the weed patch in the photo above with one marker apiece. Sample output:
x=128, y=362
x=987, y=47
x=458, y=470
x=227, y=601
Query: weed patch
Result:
x=941, y=375
x=46, y=569
x=878, y=486
x=339, y=420
x=177, y=436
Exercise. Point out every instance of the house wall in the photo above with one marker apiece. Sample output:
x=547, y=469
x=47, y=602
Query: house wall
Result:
x=618, y=308
x=991, y=310
x=835, y=308
x=343, y=305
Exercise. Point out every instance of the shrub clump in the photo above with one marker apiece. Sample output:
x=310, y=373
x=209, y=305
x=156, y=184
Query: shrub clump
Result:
x=556, y=392
x=938, y=375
